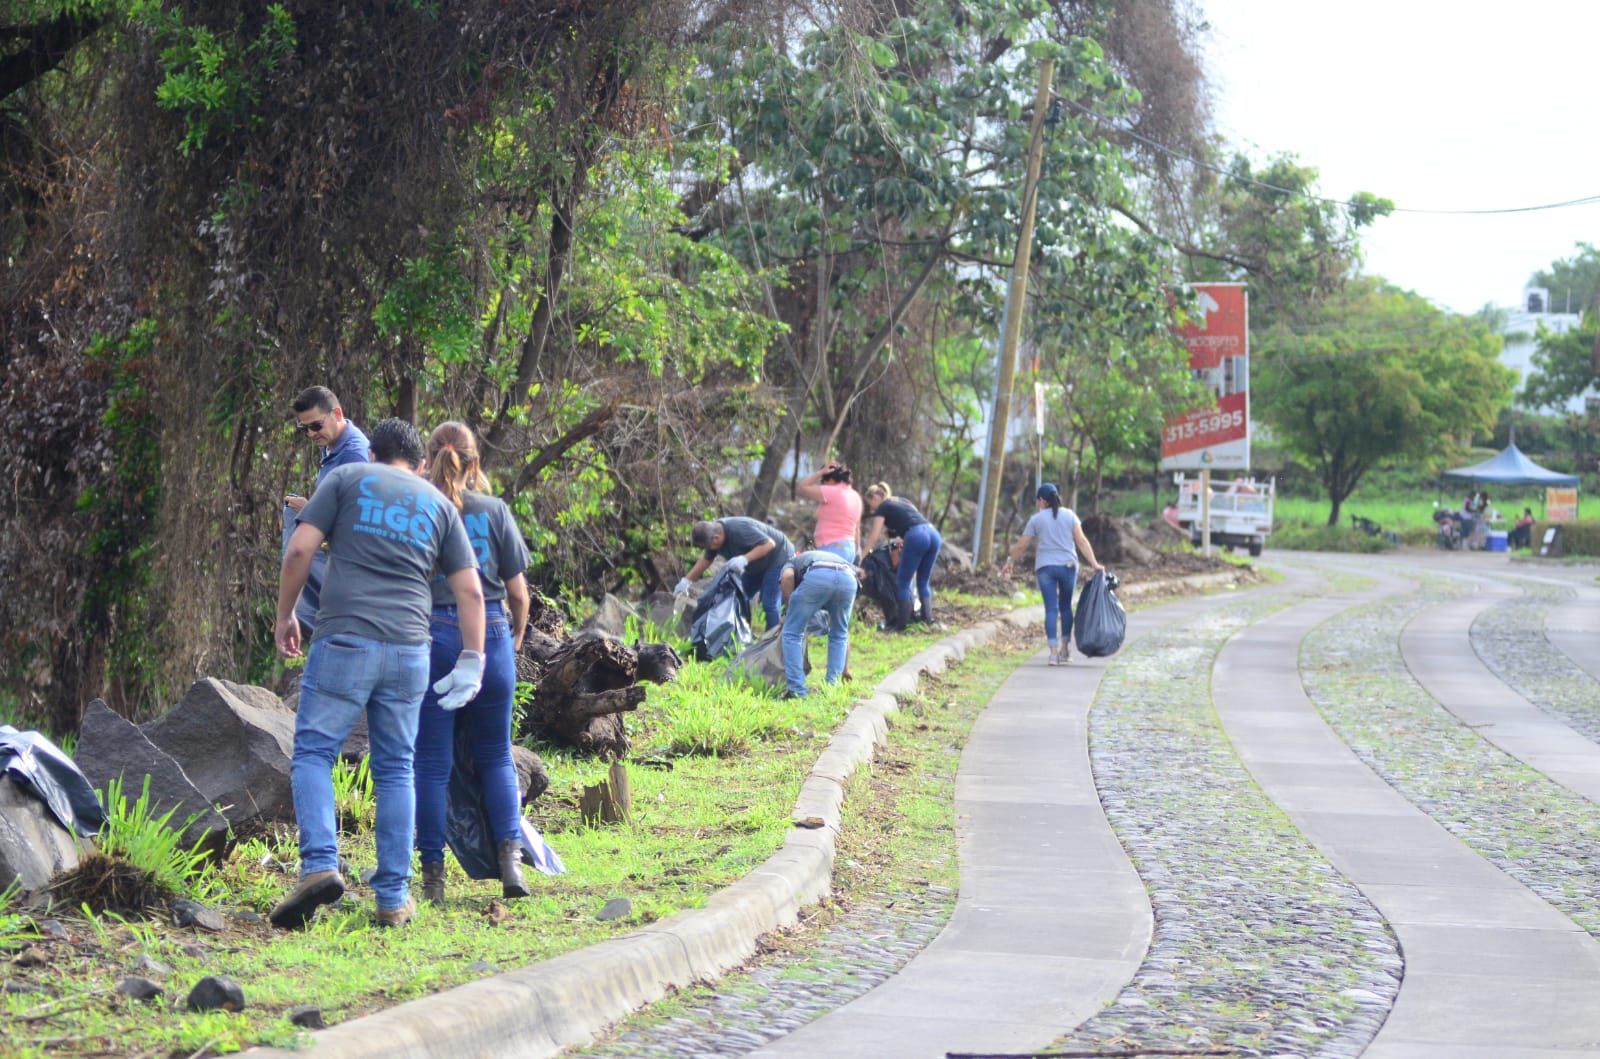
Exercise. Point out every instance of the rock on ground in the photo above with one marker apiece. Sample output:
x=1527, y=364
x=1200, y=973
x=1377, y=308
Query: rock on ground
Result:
x=34, y=847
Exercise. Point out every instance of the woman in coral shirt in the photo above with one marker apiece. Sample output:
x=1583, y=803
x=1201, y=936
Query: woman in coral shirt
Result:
x=838, y=510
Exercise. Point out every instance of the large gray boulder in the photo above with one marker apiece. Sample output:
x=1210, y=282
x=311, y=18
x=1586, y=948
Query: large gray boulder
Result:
x=109, y=746
x=235, y=744
x=34, y=847
x=611, y=618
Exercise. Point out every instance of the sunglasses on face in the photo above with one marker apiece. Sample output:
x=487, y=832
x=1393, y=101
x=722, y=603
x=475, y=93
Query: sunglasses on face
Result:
x=310, y=428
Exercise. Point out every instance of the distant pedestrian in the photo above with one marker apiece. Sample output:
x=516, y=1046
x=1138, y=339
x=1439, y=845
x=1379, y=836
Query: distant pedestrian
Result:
x=838, y=510
x=920, y=545
x=455, y=470
x=815, y=581
x=387, y=530
x=319, y=416
x=1059, y=536
x=753, y=549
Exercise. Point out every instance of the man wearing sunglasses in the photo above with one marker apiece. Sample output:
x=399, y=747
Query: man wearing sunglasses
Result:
x=318, y=416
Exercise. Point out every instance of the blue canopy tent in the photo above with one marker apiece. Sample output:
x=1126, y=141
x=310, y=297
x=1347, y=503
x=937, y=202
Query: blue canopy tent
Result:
x=1510, y=467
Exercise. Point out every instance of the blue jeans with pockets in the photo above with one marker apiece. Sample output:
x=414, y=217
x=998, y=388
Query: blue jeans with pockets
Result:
x=344, y=677
x=1055, y=584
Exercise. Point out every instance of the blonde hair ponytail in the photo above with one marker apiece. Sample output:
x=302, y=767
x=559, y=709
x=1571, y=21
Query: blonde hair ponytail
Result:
x=882, y=489
x=453, y=464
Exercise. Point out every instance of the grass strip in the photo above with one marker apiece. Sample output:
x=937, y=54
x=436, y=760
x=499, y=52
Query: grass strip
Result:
x=701, y=820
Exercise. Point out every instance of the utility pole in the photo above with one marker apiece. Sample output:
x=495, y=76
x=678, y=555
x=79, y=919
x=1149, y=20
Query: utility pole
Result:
x=1011, y=327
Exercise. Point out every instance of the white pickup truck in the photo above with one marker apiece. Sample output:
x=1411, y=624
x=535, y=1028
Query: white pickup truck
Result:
x=1241, y=511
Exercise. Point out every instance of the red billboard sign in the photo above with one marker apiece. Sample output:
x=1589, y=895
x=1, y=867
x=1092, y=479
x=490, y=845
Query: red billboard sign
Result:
x=1218, y=339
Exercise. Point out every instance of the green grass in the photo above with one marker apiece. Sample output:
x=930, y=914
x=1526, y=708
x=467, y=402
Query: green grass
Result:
x=1398, y=514
x=132, y=832
x=716, y=767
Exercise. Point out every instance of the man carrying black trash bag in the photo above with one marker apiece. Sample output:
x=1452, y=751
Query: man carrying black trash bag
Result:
x=754, y=550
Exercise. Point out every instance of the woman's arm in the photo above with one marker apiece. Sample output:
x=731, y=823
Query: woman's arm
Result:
x=808, y=486
x=1084, y=548
x=517, y=603
x=1017, y=551
x=877, y=531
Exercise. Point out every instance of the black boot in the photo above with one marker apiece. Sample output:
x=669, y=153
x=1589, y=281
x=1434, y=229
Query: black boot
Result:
x=511, y=881
x=903, y=618
x=927, y=612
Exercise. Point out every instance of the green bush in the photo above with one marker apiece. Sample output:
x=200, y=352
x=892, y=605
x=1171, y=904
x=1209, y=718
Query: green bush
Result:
x=1299, y=536
x=1577, y=538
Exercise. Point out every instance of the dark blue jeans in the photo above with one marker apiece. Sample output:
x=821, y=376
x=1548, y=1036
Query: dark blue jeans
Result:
x=1055, y=584
x=765, y=584
x=488, y=721
x=917, y=556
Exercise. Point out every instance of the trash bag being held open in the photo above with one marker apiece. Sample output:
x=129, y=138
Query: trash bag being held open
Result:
x=721, y=622
x=469, y=832
x=1100, y=622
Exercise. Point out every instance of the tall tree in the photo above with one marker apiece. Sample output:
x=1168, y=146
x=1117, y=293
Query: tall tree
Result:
x=1377, y=377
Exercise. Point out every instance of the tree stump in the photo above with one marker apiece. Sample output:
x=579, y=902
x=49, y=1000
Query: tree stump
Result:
x=584, y=686
x=608, y=802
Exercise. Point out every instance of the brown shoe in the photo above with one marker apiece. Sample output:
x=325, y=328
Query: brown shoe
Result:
x=397, y=917
x=511, y=882
x=310, y=893
x=433, y=882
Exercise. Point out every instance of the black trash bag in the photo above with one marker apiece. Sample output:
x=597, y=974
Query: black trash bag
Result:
x=880, y=585
x=65, y=791
x=466, y=823
x=721, y=621
x=1100, y=622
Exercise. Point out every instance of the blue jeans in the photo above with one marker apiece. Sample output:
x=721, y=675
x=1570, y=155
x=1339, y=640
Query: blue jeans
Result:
x=1056, y=584
x=344, y=677
x=918, y=553
x=764, y=583
x=488, y=721
x=823, y=588
x=845, y=550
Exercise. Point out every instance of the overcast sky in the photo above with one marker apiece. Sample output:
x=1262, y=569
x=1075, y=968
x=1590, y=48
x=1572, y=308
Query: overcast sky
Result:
x=1433, y=104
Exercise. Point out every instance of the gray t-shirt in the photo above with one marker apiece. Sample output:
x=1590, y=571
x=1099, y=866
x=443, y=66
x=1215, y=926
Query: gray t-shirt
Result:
x=496, y=542
x=387, y=530
x=1057, y=547
x=740, y=534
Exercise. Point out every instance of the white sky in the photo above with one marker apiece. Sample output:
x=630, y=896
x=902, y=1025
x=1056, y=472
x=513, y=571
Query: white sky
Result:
x=1432, y=104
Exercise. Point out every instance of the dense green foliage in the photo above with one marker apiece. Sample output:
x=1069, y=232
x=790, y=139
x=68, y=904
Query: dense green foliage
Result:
x=1386, y=378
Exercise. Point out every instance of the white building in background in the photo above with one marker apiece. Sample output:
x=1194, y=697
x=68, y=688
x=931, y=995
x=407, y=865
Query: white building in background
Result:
x=1521, y=331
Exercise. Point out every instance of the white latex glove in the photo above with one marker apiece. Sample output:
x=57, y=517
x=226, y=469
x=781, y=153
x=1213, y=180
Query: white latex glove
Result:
x=681, y=588
x=738, y=563
x=459, y=686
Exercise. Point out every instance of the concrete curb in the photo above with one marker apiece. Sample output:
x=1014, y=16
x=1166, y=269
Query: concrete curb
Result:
x=539, y=1009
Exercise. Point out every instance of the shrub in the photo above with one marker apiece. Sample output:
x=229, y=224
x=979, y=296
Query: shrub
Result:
x=1577, y=538
x=1298, y=536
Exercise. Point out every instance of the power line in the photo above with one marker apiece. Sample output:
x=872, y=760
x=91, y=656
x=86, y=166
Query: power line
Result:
x=1586, y=200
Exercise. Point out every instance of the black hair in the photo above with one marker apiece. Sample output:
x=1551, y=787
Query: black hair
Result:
x=1052, y=496
x=839, y=473
x=315, y=397
x=394, y=439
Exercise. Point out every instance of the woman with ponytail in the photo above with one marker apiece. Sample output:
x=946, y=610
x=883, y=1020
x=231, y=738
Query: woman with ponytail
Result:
x=1055, y=564
x=454, y=468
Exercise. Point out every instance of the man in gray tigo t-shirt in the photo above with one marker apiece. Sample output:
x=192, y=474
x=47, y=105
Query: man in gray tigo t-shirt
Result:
x=387, y=530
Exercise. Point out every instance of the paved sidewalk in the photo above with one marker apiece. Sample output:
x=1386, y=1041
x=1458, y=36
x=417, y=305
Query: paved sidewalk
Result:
x=1437, y=647
x=1491, y=970
x=1051, y=920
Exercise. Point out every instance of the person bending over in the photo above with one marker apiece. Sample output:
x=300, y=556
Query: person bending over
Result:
x=753, y=549
x=920, y=544
x=815, y=581
x=387, y=530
